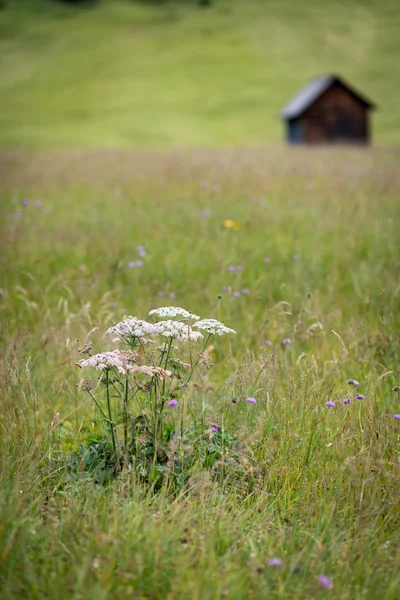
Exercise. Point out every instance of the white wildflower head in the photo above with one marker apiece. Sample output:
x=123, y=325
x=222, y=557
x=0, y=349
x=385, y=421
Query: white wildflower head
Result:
x=131, y=328
x=108, y=360
x=170, y=312
x=177, y=330
x=213, y=327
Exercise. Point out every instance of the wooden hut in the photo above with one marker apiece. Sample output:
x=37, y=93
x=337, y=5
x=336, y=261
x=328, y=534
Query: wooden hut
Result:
x=327, y=111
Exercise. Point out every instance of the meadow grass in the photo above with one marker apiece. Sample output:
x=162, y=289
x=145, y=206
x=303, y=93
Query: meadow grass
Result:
x=157, y=74
x=318, y=487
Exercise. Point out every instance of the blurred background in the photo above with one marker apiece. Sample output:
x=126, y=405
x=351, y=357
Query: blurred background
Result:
x=180, y=73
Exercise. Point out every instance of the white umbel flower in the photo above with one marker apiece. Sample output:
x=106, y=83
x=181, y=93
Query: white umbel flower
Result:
x=169, y=312
x=108, y=360
x=131, y=327
x=213, y=327
x=177, y=330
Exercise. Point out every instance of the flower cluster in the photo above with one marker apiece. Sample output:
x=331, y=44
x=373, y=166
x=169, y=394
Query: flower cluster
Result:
x=213, y=327
x=108, y=360
x=170, y=312
x=131, y=327
x=177, y=330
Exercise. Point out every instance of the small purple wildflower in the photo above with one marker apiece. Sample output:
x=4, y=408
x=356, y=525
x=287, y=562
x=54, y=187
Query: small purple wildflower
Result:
x=38, y=204
x=360, y=397
x=330, y=404
x=231, y=269
x=397, y=417
x=172, y=295
x=141, y=251
x=286, y=341
x=267, y=260
x=325, y=582
x=267, y=343
x=173, y=403
x=236, y=294
x=245, y=291
x=160, y=294
x=347, y=401
x=240, y=268
x=225, y=288
x=353, y=382
x=214, y=429
x=275, y=562
x=25, y=201
x=135, y=263
x=251, y=400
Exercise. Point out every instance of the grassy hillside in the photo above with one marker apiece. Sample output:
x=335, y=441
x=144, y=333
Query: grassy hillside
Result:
x=172, y=74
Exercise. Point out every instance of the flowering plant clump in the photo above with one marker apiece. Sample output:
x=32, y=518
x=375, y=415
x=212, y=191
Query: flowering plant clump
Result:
x=146, y=388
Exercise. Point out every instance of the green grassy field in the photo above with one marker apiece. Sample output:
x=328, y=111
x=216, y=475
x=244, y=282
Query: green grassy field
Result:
x=155, y=75
x=316, y=487
x=132, y=132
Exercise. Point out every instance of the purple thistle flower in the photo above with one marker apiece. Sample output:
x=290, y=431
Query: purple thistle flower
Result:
x=225, y=288
x=347, y=401
x=231, y=269
x=275, y=562
x=325, y=582
x=214, y=429
x=360, y=397
x=286, y=341
x=139, y=263
x=25, y=201
x=160, y=294
x=330, y=404
x=173, y=403
x=353, y=382
x=141, y=251
x=38, y=204
x=251, y=400
x=267, y=343
x=397, y=417
x=172, y=295
x=245, y=291
x=236, y=294
x=267, y=260
x=131, y=264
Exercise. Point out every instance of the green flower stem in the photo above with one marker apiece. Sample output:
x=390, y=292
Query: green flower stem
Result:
x=103, y=414
x=126, y=418
x=114, y=444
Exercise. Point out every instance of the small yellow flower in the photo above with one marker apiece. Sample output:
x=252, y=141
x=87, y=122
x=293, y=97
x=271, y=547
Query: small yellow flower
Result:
x=229, y=224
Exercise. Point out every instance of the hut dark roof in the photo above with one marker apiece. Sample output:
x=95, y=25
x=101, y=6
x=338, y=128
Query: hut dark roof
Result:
x=307, y=96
